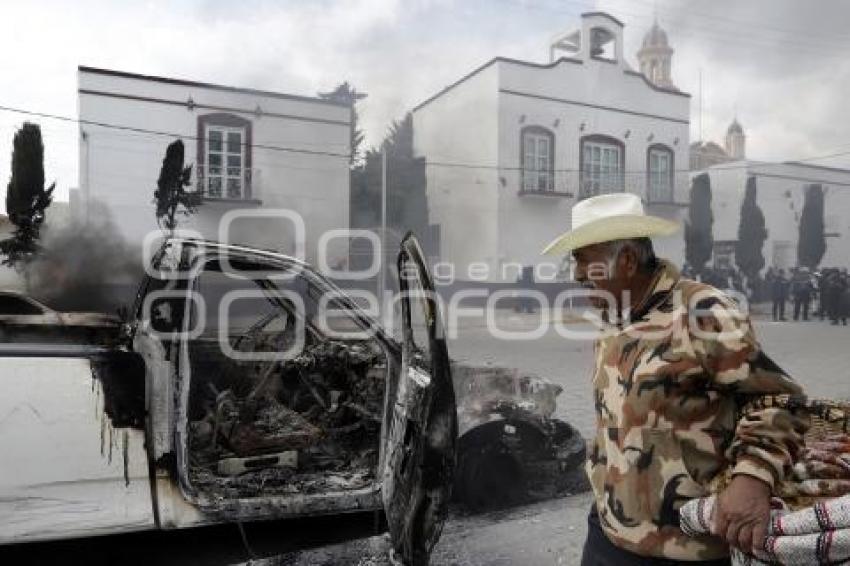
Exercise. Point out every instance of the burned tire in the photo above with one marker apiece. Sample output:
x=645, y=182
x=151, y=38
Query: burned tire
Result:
x=505, y=463
x=571, y=446
x=489, y=477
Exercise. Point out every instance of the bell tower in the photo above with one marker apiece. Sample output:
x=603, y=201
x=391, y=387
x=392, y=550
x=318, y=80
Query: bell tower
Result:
x=655, y=56
x=736, y=141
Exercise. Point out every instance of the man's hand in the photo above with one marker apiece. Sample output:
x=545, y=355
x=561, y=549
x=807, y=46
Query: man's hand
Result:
x=743, y=512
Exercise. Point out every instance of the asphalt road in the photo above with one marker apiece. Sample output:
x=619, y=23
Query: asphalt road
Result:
x=551, y=532
x=815, y=353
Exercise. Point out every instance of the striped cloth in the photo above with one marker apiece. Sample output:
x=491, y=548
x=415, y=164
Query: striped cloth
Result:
x=819, y=534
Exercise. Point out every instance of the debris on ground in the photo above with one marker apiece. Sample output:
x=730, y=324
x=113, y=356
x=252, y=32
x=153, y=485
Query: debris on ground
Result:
x=511, y=448
x=305, y=425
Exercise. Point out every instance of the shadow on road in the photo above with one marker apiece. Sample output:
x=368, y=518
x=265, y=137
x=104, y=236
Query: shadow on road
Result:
x=210, y=546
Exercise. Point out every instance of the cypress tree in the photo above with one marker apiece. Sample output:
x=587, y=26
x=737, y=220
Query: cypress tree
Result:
x=811, y=244
x=751, y=234
x=26, y=198
x=699, y=241
x=171, y=197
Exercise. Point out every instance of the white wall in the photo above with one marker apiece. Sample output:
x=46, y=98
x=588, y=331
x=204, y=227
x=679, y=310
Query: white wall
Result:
x=461, y=126
x=780, y=193
x=121, y=167
x=608, y=102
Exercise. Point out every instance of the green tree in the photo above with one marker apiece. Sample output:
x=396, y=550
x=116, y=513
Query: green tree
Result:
x=407, y=206
x=26, y=198
x=811, y=244
x=751, y=234
x=407, y=200
x=347, y=94
x=171, y=197
x=699, y=241
x=366, y=191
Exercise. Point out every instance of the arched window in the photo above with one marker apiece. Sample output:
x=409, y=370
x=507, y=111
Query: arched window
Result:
x=659, y=173
x=602, y=164
x=537, y=154
x=224, y=156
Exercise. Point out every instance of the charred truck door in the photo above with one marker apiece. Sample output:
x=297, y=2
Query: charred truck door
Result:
x=272, y=416
x=161, y=308
x=420, y=427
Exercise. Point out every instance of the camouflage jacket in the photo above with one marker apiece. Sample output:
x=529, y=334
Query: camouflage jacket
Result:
x=672, y=387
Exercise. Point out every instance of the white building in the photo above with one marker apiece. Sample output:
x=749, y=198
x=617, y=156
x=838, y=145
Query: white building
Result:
x=252, y=150
x=780, y=191
x=512, y=146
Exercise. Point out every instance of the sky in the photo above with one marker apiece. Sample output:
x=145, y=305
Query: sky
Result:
x=781, y=66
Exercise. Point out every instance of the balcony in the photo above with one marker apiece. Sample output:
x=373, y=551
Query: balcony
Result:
x=572, y=184
x=540, y=183
x=228, y=184
x=662, y=195
x=600, y=186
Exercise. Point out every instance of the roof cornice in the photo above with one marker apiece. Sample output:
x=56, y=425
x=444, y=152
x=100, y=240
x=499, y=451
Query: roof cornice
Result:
x=212, y=86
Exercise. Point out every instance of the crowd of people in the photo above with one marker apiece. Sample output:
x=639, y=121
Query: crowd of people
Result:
x=828, y=288
x=824, y=294
x=726, y=278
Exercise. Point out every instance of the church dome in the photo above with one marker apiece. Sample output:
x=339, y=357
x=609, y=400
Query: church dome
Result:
x=714, y=149
x=735, y=128
x=655, y=37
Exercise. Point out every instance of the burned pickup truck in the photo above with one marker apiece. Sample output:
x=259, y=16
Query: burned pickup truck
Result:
x=228, y=396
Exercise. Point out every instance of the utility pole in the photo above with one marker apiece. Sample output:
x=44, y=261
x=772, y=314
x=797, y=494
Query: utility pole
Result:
x=382, y=279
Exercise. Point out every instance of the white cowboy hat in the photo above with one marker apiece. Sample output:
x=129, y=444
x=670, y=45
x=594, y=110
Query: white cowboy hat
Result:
x=603, y=218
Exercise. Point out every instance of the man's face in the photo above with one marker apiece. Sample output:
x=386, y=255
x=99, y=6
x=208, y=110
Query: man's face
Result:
x=595, y=270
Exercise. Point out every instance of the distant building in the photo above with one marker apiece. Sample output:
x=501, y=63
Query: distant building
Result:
x=250, y=150
x=780, y=189
x=707, y=154
x=736, y=141
x=655, y=56
x=780, y=192
x=513, y=145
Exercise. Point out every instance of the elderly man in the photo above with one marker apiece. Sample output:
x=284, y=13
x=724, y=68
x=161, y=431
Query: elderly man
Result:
x=676, y=382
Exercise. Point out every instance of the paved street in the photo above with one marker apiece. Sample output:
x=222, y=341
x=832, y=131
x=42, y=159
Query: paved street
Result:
x=816, y=353
x=546, y=533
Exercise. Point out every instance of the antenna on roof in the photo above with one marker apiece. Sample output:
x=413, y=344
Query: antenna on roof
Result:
x=700, y=104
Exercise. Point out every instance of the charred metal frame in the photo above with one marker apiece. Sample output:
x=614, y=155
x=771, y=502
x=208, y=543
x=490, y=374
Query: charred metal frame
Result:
x=275, y=506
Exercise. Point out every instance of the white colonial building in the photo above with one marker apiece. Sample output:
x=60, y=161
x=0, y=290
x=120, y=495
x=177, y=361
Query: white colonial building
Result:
x=513, y=145
x=251, y=150
x=780, y=189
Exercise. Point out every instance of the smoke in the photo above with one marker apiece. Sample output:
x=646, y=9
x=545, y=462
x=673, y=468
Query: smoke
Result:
x=85, y=264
